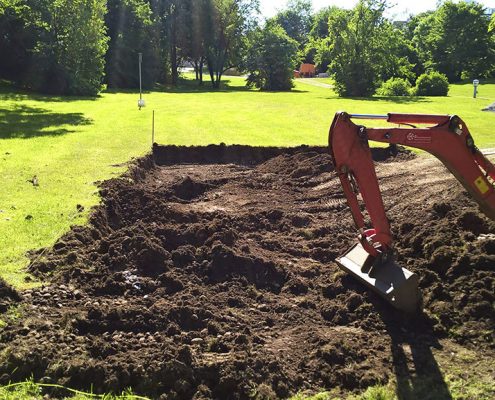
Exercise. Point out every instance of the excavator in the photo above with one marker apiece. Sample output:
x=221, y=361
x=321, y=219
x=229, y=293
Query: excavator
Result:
x=372, y=258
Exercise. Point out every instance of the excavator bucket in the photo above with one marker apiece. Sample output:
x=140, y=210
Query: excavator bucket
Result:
x=394, y=283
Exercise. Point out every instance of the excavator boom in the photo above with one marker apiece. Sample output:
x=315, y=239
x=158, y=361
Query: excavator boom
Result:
x=446, y=137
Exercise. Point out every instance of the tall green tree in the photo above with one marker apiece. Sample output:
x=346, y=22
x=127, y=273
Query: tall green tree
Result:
x=398, y=57
x=227, y=23
x=62, y=44
x=314, y=50
x=73, y=48
x=317, y=49
x=18, y=33
x=177, y=24
x=195, y=33
x=319, y=22
x=296, y=20
x=358, y=46
x=413, y=22
x=271, y=58
x=491, y=31
x=131, y=30
x=196, y=51
x=456, y=41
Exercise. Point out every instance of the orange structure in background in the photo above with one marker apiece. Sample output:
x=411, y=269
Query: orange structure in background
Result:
x=307, y=70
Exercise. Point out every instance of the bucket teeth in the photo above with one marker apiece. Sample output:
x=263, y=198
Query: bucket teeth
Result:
x=397, y=285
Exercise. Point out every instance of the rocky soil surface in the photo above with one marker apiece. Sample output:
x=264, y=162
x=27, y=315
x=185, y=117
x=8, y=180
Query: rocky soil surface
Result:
x=218, y=280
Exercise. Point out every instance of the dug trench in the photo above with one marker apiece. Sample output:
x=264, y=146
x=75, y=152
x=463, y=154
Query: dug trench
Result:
x=210, y=273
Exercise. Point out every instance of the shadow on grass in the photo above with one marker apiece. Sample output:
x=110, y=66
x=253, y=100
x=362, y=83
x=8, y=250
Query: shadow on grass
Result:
x=226, y=86
x=25, y=122
x=417, y=372
x=389, y=99
x=9, y=91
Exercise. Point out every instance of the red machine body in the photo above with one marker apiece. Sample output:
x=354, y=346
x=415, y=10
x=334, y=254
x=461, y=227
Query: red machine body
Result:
x=446, y=137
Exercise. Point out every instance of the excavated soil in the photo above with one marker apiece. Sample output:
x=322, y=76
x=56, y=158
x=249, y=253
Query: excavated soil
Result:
x=211, y=274
x=8, y=296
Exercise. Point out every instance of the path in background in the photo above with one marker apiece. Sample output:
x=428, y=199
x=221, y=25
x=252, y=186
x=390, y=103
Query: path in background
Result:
x=312, y=82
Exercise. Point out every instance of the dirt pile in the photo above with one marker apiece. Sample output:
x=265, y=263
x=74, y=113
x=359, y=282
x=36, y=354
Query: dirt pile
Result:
x=8, y=296
x=218, y=280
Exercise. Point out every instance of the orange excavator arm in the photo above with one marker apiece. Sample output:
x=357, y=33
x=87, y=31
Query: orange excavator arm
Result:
x=448, y=139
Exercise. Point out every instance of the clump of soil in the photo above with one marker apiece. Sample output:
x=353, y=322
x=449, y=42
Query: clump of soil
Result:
x=8, y=296
x=218, y=280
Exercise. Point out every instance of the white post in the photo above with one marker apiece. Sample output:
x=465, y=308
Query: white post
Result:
x=476, y=82
x=140, y=82
x=141, y=102
x=153, y=130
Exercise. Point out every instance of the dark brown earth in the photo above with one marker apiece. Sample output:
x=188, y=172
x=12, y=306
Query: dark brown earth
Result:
x=208, y=280
x=8, y=296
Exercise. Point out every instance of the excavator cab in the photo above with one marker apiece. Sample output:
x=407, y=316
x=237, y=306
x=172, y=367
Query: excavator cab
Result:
x=372, y=259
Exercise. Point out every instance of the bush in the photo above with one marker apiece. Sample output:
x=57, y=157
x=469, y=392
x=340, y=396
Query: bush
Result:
x=395, y=87
x=271, y=58
x=432, y=84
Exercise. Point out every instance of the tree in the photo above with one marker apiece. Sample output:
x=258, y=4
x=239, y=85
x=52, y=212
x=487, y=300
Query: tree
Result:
x=131, y=30
x=456, y=41
x=358, y=47
x=322, y=49
x=413, y=22
x=61, y=44
x=398, y=57
x=296, y=20
x=315, y=49
x=19, y=34
x=491, y=30
x=198, y=33
x=319, y=22
x=195, y=33
x=322, y=35
x=73, y=48
x=177, y=22
x=271, y=59
x=227, y=23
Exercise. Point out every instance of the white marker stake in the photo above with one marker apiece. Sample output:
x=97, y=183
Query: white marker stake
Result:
x=153, y=129
x=141, y=102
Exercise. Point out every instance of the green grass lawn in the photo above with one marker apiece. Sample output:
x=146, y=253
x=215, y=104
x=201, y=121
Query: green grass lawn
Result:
x=72, y=143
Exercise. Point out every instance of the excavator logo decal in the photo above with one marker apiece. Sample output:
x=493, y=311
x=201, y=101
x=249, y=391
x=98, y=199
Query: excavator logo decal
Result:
x=414, y=138
x=481, y=185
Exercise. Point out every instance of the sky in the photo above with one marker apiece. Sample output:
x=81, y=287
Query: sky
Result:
x=401, y=9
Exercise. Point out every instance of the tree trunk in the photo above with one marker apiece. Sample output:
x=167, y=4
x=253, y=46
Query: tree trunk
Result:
x=196, y=69
x=175, y=70
x=218, y=79
x=212, y=73
x=201, y=64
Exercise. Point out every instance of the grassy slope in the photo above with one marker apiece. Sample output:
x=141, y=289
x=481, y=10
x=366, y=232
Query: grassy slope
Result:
x=72, y=143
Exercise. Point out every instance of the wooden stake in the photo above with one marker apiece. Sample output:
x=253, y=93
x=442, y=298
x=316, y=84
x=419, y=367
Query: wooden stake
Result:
x=153, y=129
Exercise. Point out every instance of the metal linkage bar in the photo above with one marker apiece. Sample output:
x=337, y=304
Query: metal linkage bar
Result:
x=368, y=116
